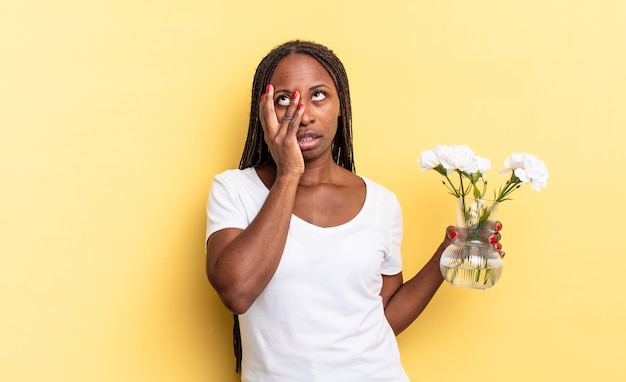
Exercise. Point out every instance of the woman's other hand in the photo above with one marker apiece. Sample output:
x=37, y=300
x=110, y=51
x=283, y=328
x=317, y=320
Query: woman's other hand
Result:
x=493, y=232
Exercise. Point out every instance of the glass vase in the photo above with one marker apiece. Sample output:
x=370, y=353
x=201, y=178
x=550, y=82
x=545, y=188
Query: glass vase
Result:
x=471, y=261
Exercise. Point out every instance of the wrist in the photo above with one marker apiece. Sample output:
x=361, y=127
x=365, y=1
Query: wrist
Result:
x=287, y=178
x=437, y=255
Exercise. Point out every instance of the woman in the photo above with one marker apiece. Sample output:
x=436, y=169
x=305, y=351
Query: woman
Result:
x=303, y=250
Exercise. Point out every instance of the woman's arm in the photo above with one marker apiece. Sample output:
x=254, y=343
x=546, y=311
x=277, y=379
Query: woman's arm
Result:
x=240, y=263
x=404, y=302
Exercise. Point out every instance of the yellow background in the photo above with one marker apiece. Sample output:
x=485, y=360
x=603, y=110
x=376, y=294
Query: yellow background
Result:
x=115, y=115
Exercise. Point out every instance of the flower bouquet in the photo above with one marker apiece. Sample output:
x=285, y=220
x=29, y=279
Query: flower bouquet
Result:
x=471, y=261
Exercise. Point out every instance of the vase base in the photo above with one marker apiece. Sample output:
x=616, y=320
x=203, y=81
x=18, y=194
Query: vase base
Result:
x=474, y=278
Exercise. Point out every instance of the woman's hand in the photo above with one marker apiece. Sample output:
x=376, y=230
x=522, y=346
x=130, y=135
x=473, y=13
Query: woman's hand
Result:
x=280, y=129
x=493, y=232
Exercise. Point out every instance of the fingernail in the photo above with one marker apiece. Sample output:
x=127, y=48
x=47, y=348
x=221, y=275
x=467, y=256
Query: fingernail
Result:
x=294, y=95
x=492, y=240
x=300, y=107
x=262, y=96
x=267, y=88
x=453, y=234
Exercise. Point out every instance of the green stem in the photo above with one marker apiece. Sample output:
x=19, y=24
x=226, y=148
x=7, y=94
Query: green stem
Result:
x=510, y=186
x=461, y=180
x=455, y=272
x=451, y=187
x=463, y=198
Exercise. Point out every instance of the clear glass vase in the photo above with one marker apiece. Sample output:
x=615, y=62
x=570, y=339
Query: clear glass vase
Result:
x=471, y=261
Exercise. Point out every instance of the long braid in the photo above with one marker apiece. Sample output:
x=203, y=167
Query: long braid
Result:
x=256, y=152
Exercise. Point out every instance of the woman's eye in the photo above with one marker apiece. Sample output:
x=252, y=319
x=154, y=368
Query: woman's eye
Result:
x=318, y=96
x=283, y=100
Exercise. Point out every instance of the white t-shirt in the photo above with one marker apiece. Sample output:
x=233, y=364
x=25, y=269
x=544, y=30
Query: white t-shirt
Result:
x=321, y=317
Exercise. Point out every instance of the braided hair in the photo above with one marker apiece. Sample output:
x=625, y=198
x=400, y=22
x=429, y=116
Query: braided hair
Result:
x=256, y=152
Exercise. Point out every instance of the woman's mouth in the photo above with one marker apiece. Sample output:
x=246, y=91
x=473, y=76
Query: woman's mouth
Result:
x=308, y=141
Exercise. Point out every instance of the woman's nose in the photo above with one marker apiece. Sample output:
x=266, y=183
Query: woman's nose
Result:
x=308, y=116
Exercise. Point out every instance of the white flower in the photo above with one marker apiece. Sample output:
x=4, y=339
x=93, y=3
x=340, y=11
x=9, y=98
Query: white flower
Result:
x=428, y=160
x=471, y=169
x=528, y=169
x=512, y=162
x=455, y=157
x=483, y=164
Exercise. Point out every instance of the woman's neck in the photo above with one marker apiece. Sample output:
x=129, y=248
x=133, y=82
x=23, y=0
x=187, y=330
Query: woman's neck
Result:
x=314, y=173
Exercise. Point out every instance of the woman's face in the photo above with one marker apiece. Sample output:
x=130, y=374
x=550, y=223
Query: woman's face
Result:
x=318, y=95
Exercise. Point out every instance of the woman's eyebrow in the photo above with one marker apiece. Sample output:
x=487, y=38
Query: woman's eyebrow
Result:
x=319, y=86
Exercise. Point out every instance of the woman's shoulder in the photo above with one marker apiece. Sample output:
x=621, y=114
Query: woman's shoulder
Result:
x=235, y=172
x=380, y=195
x=377, y=188
x=237, y=176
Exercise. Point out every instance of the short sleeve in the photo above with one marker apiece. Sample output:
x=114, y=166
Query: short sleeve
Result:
x=392, y=264
x=225, y=208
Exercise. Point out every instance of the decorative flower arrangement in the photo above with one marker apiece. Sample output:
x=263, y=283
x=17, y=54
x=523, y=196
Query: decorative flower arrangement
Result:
x=524, y=168
x=473, y=262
